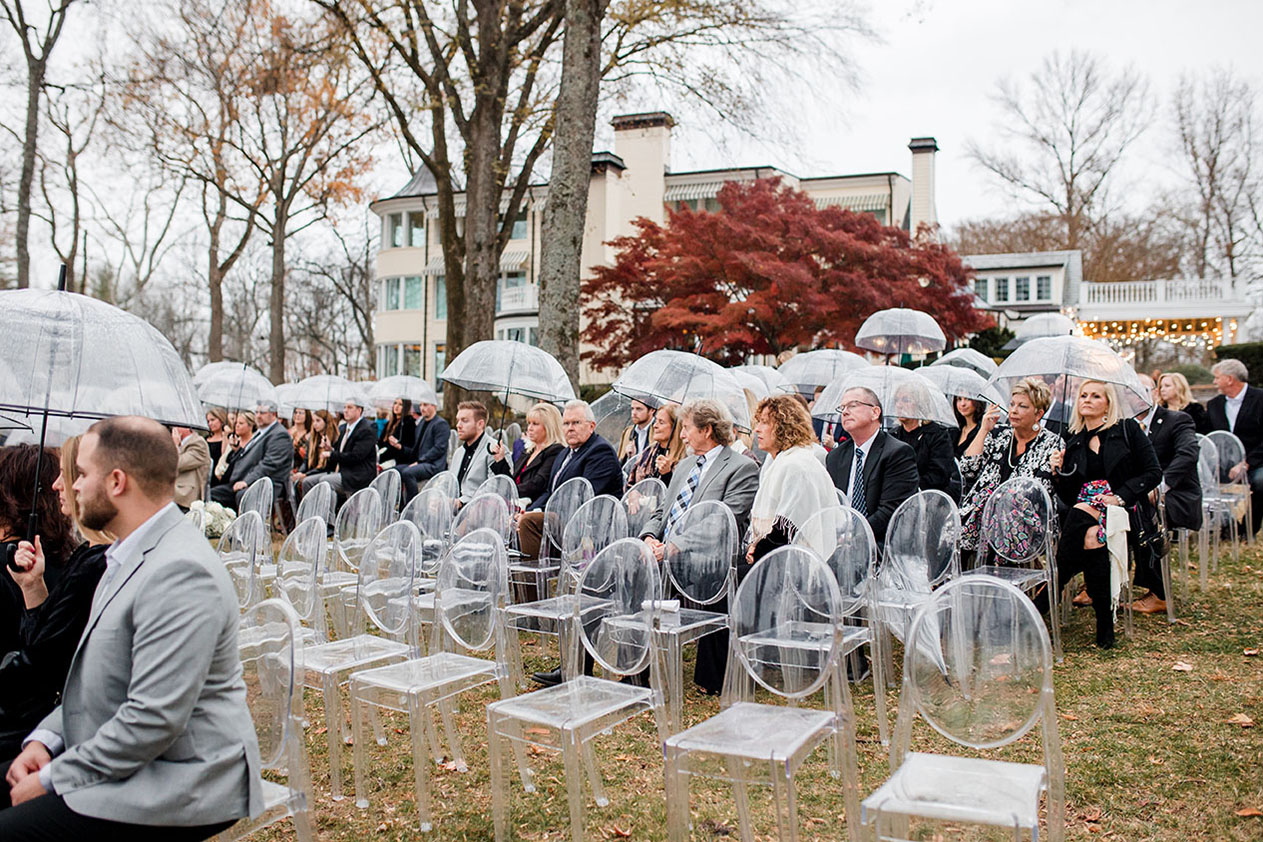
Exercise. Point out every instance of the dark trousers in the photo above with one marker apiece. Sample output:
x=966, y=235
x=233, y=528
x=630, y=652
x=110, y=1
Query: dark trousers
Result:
x=411, y=477
x=1072, y=558
x=48, y=819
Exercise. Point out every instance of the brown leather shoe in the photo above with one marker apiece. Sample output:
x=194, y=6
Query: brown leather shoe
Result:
x=1082, y=599
x=1150, y=604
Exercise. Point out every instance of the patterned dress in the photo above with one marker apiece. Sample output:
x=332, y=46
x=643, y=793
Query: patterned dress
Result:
x=998, y=463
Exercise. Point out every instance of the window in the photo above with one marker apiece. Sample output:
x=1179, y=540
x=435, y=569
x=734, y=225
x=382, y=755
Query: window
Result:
x=390, y=299
x=440, y=297
x=980, y=288
x=416, y=230
x=413, y=293
x=395, y=230
x=390, y=360
x=1001, y=289
x=534, y=340
x=440, y=363
x=519, y=227
x=412, y=360
x=1043, y=288
x=1022, y=288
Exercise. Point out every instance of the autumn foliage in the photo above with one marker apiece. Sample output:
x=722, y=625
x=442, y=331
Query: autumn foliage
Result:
x=768, y=272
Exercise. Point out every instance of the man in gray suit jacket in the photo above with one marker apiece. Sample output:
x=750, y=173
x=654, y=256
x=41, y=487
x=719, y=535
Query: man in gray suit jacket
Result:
x=153, y=738
x=472, y=459
x=270, y=453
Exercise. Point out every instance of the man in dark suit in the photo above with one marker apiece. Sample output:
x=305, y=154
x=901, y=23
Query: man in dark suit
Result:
x=1238, y=408
x=887, y=467
x=269, y=453
x=428, y=455
x=352, y=463
x=1174, y=439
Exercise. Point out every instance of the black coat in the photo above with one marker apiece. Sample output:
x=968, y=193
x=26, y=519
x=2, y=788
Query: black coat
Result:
x=1174, y=439
x=890, y=477
x=405, y=434
x=1201, y=420
x=355, y=458
x=429, y=449
x=1131, y=467
x=34, y=671
x=594, y=460
x=936, y=460
x=1249, y=426
x=532, y=479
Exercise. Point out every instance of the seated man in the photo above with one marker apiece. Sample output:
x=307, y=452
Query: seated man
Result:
x=428, y=453
x=153, y=739
x=1238, y=408
x=352, y=464
x=635, y=437
x=876, y=470
x=474, y=455
x=269, y=453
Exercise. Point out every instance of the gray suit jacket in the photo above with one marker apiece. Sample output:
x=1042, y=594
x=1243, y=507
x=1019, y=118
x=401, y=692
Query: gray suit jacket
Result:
x=154, y=714
x=271, y=456
x=193, y=469
x=479, y=466
x=732, y=480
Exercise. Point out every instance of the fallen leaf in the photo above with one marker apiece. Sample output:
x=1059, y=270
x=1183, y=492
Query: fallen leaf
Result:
x=1156, y=761
x=540, y=731
x=1070, y=716
x=1242, y=720
x=1251, y=653
x=1248, y=812
x=1093, y=815
x=1181, y=666
x=620, y=832
x=1218, y=676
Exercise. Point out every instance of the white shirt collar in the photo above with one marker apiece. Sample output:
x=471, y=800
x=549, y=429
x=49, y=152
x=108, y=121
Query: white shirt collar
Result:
x=122, y=551
x=1148, y=419
x=1239, y=398
x=868, y=445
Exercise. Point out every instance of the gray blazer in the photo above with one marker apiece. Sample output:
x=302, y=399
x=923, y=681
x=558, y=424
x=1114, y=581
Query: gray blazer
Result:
x=479, y=466
x=732, y=480
x=154, y=714
x=271, y=456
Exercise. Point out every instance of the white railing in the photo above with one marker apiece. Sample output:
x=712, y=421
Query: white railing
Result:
x=520, y=299
x=1178, y=291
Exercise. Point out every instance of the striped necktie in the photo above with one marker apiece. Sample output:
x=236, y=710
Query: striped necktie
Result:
x=857, y=485
x=685, y=496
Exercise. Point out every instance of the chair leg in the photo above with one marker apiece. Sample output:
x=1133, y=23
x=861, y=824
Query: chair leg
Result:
x=334, y=726
x=570, y=752
x=418, y=714
x=375, y=717
x=499, y=791
x=453, y=738
x=677, y=789
x=741, y=794
x=783, y=802
x=594, y=775
x=878, y=659
x=359, y=760
x=675, y=684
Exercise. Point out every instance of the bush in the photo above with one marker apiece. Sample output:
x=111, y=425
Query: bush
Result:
x=591, y=391
x=1250, y=353
x=991, y=341
x=1194, y=373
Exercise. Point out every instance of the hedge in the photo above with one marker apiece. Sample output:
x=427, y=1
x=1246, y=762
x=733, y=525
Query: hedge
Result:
x=1250, y=353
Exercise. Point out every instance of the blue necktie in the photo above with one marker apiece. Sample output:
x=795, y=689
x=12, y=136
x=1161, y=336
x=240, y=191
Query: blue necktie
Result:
x=857, y=497
x=686, y=495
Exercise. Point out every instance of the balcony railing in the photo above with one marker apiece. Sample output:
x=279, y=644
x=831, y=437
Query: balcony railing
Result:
x=519, y=299
x=1181, y=291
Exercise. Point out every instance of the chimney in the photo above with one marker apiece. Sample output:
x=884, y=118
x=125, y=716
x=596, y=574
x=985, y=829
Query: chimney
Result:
x=643, y=141
x=923, y=209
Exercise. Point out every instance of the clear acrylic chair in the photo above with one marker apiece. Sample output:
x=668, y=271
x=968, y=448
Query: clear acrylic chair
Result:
x=389, y=486
x=1016, y=536
x=531, y=576
x=844, y=499
x=320, y=500
x=359, y=521
x=785, y=639
x=446, y=482
x=243, y=548
x=258, y=497
x=269, y=638
x=501, y=485
x=850, y=551
x=640, y=502
x=697, y=564
x=432, y=512
x=472, y=587
x=484, y=511
x=384, y=599
x=298, y=566
x=616, y=629
x=1232, y=455
x=1218, y=509
x=979, y=671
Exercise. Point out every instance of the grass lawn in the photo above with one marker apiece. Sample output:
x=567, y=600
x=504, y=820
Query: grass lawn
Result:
x=1151, y=752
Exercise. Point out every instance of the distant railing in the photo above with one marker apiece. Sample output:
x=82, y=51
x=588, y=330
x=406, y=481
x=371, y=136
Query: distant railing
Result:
x=1177, y=291
x=519, y=299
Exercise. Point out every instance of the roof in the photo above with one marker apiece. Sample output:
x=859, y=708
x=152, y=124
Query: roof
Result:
x=1071, y=260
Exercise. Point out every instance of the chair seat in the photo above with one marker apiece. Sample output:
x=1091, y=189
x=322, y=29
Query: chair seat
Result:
x=964, y=789
x=759, y=732
x=358, y=651
x=555, y=608
x=1020, y=577
x=574, y=703
x=422, y=674
x=690, y=619
x=274, y=794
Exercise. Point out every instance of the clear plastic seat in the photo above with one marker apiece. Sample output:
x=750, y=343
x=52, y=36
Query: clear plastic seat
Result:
x=786, y=638
x=244, y=548
x=1219, y=509
x=617, y=632
x=359, y=521
x=472, y=587
x=978, y=669
x=1234, y=485
x=503, y=486
x=445, y=482
x=531, y=576
x=268, y=639
x=321, y=500
x=384, y=598
x=1016, y=535
x=389, y=486
x=640, y=502
x=258, y=498
x=298, y=566
x=483, y=511
x=433, y=513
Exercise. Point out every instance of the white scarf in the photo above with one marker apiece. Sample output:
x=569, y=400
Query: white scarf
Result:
x=793, y=486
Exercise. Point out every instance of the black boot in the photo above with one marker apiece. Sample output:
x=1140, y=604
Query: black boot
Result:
x=1096, y=578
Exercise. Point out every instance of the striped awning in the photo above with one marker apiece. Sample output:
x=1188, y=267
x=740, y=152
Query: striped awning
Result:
x=856, y=202
x=435, y=266
x=692, y=192
x=511, y=261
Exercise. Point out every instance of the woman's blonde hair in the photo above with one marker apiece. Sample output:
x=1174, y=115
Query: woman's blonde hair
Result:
x=248, y=417
x=1036, y=391
x=1113, y=414
x=789, y=419
x=1183, y=394
x=69, y=473
x=222, y=415
x=675, y=448
x=549, y=417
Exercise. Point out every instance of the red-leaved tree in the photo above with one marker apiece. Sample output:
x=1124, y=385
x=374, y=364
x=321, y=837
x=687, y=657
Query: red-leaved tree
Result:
x=768, y=272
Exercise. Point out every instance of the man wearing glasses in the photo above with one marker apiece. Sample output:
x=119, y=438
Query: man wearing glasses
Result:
x=875, y=470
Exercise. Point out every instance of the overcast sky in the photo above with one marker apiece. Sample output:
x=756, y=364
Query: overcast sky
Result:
x=939, y=61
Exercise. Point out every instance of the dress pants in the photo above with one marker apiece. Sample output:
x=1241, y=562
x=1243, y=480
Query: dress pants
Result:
x=332, y=477
x=1072, y=558
x=411, y=477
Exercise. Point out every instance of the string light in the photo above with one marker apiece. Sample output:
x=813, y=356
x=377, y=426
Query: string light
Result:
x=1126, y=334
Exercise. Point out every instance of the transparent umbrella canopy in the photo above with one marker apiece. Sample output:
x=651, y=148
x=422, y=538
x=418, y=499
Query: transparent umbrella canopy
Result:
x=236, y=387
x=71, y=356
x=511, y=368
x=903, y=394
x=613, y=414
x=1037, y=327
x=1064, y=362
x=810, y=369
x=751, y=384
x=285, y=398
x=324, y=391
x=970, y=359
x=955, y=382
x=384, y=391
x=676, y=377
x=772, y=379
x=200, y=376
x=900, y=331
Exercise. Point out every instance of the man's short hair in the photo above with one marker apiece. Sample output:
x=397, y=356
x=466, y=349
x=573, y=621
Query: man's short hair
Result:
x=1232, y=368
x=588, y=414
x=141, y=448
x=869, y=395
x=478, y=408
x=708, y=412
x=266, y=405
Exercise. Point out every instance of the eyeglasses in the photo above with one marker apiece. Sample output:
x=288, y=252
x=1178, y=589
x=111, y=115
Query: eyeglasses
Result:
x=849, y=406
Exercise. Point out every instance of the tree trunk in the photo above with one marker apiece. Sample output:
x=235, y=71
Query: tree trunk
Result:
x=34, y=84
x=215, y=279
x=276, y=304
x=566, y=211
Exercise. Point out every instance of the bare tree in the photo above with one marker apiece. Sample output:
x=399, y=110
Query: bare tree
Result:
x=37, y=47
x=1062, y=135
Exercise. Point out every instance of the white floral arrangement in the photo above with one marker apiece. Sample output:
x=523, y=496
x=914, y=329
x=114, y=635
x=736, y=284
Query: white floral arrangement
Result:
x=212, y=517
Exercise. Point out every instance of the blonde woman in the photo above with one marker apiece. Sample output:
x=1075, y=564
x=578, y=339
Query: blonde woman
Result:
x=217, y=424
x=665, y=449
x=1174, y=393
x=534, y=467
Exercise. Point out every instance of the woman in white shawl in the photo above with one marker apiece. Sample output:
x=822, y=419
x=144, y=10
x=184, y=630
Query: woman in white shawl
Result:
x=793, y=485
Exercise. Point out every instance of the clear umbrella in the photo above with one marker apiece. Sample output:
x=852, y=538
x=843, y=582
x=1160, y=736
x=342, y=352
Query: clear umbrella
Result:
x=810, y=369
x=613, y=414
x=512, y=368
x=1040, y=326
x=903, y=394
x=202, y=374
x=235, y=387
x=676, y=377
x=751, y=384
x=957, y=382
x=324, y=391
x=384, y=391
x=900, y=331
x=285, y=394
x=772, y=379
x=970, y=359
x=1064, y=362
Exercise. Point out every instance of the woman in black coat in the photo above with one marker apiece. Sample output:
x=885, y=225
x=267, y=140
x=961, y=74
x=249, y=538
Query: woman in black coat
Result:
x=1108, y=461
x=53, y=590
x=936, y=455
x=398, y=436
x=534, y=468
